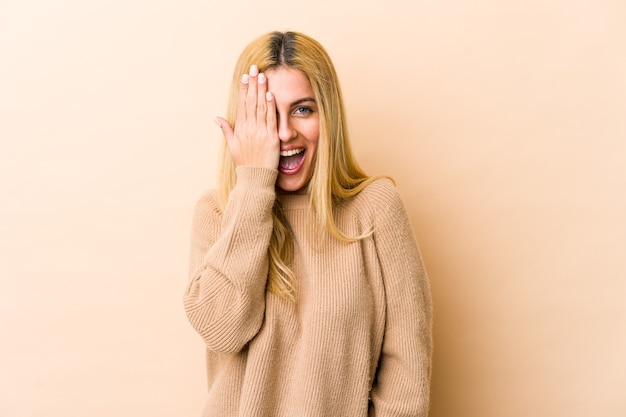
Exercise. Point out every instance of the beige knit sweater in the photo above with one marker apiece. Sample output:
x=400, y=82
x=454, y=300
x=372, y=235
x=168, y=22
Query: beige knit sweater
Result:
x=358, y=340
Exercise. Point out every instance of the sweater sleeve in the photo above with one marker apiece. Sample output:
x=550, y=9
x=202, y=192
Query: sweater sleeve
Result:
x=225, y=297
x=402, y=383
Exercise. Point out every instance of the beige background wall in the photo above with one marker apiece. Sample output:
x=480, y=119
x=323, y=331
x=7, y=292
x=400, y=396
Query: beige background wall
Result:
x=502, y=122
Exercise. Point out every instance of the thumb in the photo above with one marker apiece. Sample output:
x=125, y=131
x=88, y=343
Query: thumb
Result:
x=227, y=129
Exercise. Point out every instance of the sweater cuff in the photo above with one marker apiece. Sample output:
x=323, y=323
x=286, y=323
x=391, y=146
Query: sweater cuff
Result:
x=256, y=177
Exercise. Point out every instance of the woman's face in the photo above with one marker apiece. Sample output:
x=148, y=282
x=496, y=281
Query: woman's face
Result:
x=298, y=126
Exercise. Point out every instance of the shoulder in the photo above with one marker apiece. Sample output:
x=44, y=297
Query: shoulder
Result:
x=380, y=194
x=381, y=189
x=378, y=199
x=207, y=205
x=208, y=197
x=206, y=220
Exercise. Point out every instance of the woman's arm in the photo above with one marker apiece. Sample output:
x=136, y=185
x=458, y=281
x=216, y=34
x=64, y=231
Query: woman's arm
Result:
x=402, y=383
x=225, y=298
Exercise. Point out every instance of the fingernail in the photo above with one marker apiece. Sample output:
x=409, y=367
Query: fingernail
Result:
x=268, y=96
x=254, y=70
x=244, y=78
x=261, y=78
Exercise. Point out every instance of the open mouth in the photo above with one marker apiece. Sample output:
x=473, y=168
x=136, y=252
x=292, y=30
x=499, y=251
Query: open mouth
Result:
x=291, y=161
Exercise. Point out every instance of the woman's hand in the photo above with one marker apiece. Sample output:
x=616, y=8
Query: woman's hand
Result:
x=254, y=139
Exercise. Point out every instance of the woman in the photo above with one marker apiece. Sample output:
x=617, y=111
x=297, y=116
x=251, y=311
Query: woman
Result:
x=306, y=283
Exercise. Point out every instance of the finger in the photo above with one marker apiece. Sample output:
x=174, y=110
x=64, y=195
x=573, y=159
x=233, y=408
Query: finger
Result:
x=261, y=107
x=241, y=100
x=251, y=98
x=227, y=129
x=272, y=126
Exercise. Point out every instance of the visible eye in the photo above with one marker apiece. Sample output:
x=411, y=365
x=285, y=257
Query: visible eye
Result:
x=303, y=110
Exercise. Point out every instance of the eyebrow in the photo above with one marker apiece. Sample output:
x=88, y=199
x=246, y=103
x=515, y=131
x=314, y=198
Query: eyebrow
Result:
x=302, y=100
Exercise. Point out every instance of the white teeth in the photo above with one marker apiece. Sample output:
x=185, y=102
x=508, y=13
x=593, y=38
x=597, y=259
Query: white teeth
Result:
x=291, y=152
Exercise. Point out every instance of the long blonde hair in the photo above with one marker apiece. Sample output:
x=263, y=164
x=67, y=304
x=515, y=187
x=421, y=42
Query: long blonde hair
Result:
x=336, y=175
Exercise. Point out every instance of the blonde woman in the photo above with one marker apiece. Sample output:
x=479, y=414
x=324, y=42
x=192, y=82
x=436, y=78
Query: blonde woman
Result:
x=306, y=283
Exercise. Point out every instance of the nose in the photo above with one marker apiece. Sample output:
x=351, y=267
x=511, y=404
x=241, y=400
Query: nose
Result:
x=286, y=131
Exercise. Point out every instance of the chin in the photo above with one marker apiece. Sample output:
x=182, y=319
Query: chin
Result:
x=291, y=185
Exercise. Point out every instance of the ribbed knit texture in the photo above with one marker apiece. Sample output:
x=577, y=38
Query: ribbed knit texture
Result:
x=358, y=340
